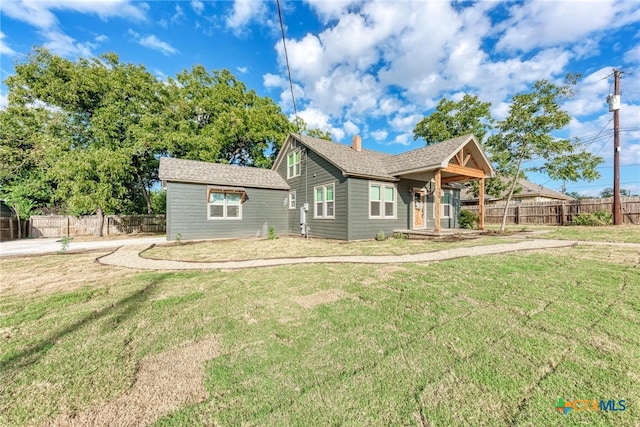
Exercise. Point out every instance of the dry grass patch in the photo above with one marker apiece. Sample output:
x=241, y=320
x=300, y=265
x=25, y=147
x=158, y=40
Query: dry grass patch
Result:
x=163, y=383
x=323, y=297
x=295, y=247
x=57, y=273
x=488, y=341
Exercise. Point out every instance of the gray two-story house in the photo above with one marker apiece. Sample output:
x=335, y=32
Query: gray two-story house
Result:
x=320, y=188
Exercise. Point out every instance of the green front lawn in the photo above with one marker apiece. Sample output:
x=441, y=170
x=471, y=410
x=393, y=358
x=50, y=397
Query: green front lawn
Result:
x=490, y=340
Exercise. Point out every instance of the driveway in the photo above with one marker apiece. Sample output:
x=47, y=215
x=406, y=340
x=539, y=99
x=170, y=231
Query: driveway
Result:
x=53, y=245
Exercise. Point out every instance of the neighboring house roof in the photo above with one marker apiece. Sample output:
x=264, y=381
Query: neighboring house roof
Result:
x=529, y=189
x=220, y=174
x=374, y=164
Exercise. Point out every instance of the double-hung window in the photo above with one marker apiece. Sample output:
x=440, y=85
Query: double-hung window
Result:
x=324, y=201
x=225, y=205
x=445, y=202
x=382, y=201
x=293, y=164
x=292, y=200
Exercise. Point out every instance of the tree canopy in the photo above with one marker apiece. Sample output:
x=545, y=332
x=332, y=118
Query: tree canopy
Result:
x=452, y=119
x=86, y=136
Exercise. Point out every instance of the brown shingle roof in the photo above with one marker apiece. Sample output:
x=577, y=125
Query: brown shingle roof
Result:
x=431, y=156
x=384, y=166
x=365, y=163
x=220, y=174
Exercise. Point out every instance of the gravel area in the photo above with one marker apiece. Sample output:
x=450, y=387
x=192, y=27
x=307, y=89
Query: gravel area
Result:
x=129, y=257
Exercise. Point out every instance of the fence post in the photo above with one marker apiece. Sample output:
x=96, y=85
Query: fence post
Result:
x=562, y=213
x=108, y=218
x=11, y=236
x=517, y=214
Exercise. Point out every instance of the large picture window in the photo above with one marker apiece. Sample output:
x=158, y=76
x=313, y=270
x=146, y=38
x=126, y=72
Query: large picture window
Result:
x=225, y=205
x=382, y=201
x=324, y=203
x=293, y=164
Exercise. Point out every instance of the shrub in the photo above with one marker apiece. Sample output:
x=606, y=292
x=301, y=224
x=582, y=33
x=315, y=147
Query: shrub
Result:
x=468, y=219
x=64, y=242
x=593, y=218
x=400, y=236
x=271, y=233
x=381, y=236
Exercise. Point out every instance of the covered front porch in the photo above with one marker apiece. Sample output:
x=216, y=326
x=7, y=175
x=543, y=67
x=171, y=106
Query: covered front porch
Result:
x=442, y=168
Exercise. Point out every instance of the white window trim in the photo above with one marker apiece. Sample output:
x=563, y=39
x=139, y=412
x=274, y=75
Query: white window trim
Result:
x=382, y=186
x=225, y=217
x=324, y=201
x=292, y=200
x=298, y=163
x=442, y=205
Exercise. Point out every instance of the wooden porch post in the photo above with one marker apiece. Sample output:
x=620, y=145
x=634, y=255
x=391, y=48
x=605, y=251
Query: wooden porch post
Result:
x=481, y=204
x=436, y=199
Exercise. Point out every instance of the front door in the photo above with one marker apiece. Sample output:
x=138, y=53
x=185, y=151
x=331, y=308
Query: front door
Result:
x=418, y=209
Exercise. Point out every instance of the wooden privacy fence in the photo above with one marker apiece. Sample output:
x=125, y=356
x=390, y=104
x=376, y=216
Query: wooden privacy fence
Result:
x=63, y=225
x=9, y=228
x=557, y=212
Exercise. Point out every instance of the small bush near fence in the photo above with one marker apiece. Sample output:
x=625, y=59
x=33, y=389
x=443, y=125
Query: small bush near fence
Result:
x=593, y=218
x=468, y=219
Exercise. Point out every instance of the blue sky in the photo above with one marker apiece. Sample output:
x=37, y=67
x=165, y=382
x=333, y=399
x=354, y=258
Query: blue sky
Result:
x=372, y=68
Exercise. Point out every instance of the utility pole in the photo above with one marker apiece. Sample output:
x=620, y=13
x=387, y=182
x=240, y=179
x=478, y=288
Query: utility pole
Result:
x=614, y=105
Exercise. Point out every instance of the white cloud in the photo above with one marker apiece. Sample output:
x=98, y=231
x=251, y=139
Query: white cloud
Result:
x=403, y=139
x=242, y=70
x=316, y=119
x=40, y=14
x=379, y=135
x=178, y=16
x=271, y=80
x=197, y=6
x=101, y=38
x=4, y=101
x=632, y=56
x=328, y=10
x=243, y=13
x=394, y=61
x=62, y=44
x=544, y=24
x=4, y=48
x=153, y=42
x=350, y=128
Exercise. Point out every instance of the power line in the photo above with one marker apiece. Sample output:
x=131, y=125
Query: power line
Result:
x=286, y=58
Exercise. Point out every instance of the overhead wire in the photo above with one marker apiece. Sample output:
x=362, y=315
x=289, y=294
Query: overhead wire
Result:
x=286, y=58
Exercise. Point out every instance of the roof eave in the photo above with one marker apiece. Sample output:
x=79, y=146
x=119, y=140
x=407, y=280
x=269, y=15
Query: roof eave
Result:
x=376, y=177
x=209, y=182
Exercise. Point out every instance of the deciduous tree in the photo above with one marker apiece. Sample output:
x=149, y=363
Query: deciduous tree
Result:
x=527, y=134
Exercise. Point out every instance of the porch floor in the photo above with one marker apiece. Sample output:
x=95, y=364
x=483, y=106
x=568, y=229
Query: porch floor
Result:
x=445, y=232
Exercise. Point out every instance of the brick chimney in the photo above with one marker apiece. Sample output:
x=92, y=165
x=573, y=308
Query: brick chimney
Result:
x=356, y=143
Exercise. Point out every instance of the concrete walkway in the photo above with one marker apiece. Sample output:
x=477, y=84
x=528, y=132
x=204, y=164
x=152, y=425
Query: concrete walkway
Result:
x=129, y=256
x=53, y=245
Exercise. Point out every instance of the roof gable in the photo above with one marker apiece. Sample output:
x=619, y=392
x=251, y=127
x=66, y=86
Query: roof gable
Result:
x=218, y=173
x=436, y=156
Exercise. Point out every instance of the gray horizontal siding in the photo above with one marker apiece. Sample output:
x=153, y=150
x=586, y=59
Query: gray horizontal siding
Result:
x=360, y=225
x=187, y=213
x=315, y=171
